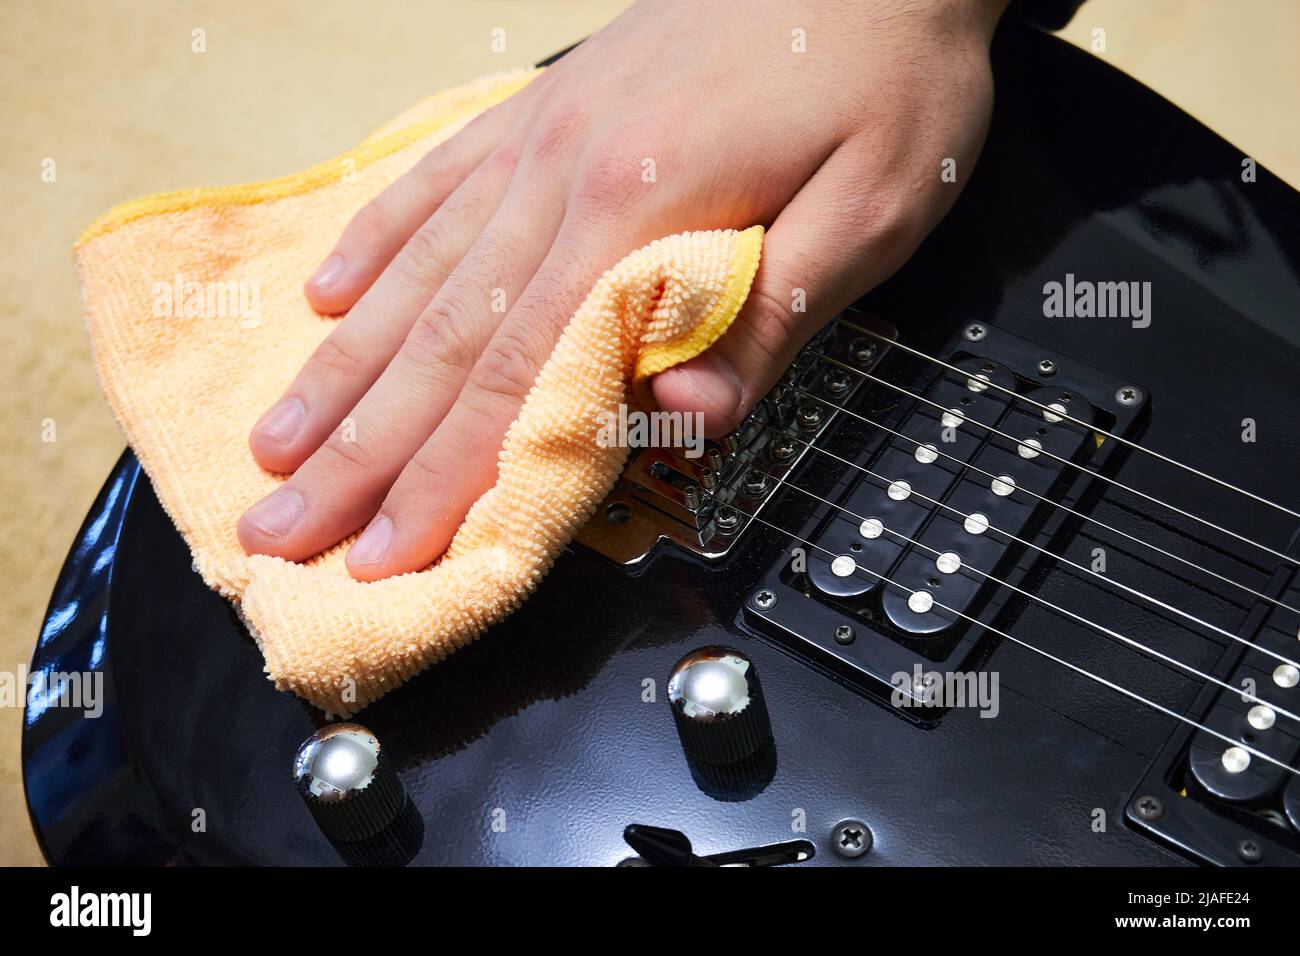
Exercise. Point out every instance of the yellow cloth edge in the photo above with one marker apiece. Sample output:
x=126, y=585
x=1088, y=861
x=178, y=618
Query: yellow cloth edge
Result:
x=661, y=356
x=369, y=150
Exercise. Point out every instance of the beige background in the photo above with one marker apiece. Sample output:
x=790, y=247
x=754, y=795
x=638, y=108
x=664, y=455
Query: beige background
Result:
x=111, y=91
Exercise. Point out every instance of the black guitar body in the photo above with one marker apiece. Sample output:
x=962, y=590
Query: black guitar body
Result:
x=538, y=745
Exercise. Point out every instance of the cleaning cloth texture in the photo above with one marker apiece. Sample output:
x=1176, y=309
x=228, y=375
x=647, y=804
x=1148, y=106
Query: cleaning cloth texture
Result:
x=198, y=323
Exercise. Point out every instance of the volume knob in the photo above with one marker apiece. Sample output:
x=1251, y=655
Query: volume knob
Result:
x=343, y=776
x=718, y=706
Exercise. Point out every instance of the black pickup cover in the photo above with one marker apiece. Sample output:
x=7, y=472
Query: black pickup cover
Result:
x=932, y=481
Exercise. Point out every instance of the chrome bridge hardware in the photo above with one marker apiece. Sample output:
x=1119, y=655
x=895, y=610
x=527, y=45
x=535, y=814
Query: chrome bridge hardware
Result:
x=929, y=497
x=704, y=505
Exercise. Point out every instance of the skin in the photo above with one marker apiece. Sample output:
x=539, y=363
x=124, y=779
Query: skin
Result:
x=838, y=150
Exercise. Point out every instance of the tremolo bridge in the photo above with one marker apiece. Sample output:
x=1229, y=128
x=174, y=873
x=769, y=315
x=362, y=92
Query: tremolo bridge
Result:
x=703, y=504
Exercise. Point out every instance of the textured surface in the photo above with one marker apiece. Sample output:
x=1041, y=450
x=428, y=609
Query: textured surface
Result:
x=125, y=107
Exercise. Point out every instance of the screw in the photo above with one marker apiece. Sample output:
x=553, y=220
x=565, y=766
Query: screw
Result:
x=1250, y=851
x=765, y=600
x=1046, y=367
x=708, y=478
x=862, y=351
x=691, y=498
x=726, y=518
x=1149, y=808
x=783, y=449
x=851, y=839
x=975, y=332
x=810, y=415
x=844, y=634
x=836, y=382
x=1128, y=395
x=756, y=484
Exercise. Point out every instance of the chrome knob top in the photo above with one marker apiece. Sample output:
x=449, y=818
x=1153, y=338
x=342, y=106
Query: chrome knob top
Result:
x=342, y=775
x=718, y=706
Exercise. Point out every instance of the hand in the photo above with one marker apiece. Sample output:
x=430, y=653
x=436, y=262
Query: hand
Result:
x=838, y=148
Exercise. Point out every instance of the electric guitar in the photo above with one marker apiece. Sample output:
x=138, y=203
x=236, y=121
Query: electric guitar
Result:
x=1002, y=572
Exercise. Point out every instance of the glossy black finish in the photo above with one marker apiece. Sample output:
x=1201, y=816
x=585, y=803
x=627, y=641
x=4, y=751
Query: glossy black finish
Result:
x=542, y=723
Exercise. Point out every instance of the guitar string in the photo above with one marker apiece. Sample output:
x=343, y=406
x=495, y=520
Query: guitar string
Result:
x=1101, y=431
x=1017, y=488
x=1051, y=554
x=1100, y=628
x=1043, y=451
x=1015, y=640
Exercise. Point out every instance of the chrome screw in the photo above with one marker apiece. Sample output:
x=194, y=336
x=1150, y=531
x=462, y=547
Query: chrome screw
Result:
x=1129, y=395
x=975, y=332
x=810, y=415
x=844, y=634
x=1046, y=367
x=851, y=839
x=755, y=484
x=765, y=600
x=836, y=382
x=783, y=449
x=1149, y=808
x=726, y=518
x=862, y=351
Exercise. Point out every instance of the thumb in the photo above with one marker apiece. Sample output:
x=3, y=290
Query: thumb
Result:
x=826, y=248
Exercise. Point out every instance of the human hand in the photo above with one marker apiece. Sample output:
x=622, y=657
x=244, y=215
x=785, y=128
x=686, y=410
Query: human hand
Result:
x=838, y=149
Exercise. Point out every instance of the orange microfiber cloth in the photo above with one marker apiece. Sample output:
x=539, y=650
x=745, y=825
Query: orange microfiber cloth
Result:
x=198, y=323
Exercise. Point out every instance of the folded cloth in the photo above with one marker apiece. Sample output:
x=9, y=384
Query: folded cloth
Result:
x=198, y=323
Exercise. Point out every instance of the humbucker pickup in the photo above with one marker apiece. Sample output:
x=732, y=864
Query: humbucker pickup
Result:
x=937, y=497
x=1207, y=792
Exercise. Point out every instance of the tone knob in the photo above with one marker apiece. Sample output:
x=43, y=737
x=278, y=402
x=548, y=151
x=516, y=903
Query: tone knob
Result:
x=346, y=782
x=718, y=706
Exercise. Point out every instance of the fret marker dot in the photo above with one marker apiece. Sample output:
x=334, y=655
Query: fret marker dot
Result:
x=926, y=454
x=975, y=523
x=920, y=601
x=899, y=490
x=1235, y=760
x=1055, y=407
x=1003, y=486
x=872, y=528
x=948, y=562
x=1286, y=675
x=843, y=566
x=1261, y=717
x=1029, y=448
x=952, y=418
x=978, y=384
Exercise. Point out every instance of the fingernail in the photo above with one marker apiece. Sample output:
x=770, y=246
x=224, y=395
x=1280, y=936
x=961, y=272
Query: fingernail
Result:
x=715, y=381
x=328, y=273
x=276, y=514
x=282, y=422
x=373, y=543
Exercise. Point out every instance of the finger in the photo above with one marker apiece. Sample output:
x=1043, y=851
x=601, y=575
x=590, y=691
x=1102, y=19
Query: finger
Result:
x=353, y=356
x=379, y=231
x=458, y=463
x=339, y=488
x=829, y=246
